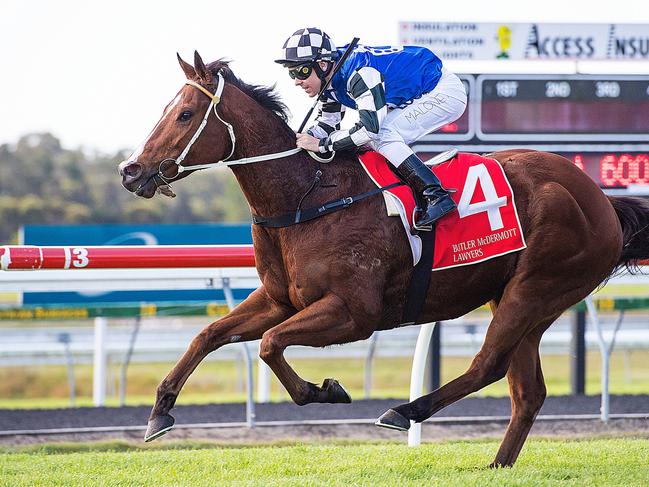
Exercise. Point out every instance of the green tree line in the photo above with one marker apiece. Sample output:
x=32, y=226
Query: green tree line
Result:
x=43, y=183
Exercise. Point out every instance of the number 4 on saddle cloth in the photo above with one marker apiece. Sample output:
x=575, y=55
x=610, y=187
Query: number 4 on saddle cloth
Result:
x=486, y=223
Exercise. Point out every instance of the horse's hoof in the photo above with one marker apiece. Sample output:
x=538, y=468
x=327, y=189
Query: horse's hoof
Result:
x=335, y=392
x=393, y=420
x=158, y=426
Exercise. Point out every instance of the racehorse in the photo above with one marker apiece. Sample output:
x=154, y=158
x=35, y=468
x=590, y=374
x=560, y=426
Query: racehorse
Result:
x=339, y=278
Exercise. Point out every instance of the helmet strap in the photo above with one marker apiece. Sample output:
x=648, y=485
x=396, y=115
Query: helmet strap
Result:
x=322, y=73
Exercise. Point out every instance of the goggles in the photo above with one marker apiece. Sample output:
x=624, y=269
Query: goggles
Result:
x=301, y=72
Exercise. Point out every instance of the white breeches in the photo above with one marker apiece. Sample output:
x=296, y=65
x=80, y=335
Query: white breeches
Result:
x=430, y=112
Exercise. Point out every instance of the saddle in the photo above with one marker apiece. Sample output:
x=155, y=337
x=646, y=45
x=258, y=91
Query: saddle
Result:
x=486, y=223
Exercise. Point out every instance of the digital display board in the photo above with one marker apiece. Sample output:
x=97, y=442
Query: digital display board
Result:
x=550, y=107
x=599, y=122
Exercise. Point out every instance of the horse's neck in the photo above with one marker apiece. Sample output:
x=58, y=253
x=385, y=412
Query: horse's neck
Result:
x=274, y=186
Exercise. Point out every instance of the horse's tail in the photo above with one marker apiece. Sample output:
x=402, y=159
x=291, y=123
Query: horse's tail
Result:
x=633, y=214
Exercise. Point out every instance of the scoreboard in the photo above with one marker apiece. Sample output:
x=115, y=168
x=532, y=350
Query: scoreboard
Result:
x=599, y=122
x=578, y=108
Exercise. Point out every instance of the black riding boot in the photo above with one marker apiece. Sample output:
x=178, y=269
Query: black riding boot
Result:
x=433, y=201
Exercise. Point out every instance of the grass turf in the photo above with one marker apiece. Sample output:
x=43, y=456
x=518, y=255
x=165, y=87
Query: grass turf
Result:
x=542, y=462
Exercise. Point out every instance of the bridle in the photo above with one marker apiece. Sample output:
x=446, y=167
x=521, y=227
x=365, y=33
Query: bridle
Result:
x=299, y=215
x=215, y=99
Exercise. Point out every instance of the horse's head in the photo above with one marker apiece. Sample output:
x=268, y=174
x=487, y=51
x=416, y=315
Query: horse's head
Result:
x=182, y=137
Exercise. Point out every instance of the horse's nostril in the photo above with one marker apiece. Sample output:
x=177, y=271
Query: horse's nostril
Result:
x=132, y=171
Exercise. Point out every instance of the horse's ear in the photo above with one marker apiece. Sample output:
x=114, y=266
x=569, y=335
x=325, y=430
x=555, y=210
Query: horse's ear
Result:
x=201, y=70
x=187, y=68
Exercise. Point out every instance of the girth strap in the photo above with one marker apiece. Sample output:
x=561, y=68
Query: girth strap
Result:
x=301, y=216
x=420, y=279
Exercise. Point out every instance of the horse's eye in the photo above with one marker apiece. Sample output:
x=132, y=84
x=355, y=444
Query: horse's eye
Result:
x=184, y=116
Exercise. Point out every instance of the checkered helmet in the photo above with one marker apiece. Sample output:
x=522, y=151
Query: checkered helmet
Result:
x=305, y=45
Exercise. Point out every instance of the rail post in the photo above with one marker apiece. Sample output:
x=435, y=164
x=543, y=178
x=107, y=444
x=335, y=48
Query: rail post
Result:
x=100, y=362
x=434, y=362
x=64, y=339
x=369, y=357
x=578, y=354
x=250, y=402
x=263, y=381
x=605, y=352
x=127, y=361
x=417, y=377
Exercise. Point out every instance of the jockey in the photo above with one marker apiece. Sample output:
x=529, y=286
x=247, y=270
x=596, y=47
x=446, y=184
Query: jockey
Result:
x=401, y=94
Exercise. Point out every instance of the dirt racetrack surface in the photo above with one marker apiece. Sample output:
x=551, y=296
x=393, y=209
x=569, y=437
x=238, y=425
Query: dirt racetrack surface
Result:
x=225, y=421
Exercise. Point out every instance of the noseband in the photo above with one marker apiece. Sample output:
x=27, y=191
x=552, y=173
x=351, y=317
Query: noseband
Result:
x=215, y=99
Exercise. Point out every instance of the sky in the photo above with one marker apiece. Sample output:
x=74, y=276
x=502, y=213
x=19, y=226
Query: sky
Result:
x=97, y=75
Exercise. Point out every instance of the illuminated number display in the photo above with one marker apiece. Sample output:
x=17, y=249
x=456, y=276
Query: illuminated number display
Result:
x=607, y=169
x=613, y=169
x=559, y=108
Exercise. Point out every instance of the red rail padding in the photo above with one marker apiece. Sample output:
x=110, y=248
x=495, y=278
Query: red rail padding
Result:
x=125, y=257
x=28, y=257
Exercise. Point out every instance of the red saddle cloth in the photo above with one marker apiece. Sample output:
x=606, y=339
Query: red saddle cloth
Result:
x=486, y=223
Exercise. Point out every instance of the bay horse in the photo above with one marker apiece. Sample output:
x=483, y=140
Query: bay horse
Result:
x=339, y=278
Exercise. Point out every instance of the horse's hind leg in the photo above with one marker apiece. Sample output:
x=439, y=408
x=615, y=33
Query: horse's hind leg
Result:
x=325, y=322
x=527, y=391
x=246, y=322
x=514, y=318
x=564, y=269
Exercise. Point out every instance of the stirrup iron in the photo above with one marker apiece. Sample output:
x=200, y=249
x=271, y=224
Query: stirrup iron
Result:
x=424, y=228
x=441, y=157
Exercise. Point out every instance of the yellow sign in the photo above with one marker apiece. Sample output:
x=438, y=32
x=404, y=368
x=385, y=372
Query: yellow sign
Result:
x=606, y=304
x=505, y=41
x=43, y=314
x=148, y=309
x=214, y=309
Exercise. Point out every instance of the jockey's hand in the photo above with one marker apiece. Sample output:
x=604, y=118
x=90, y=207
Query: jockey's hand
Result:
x=308, y=142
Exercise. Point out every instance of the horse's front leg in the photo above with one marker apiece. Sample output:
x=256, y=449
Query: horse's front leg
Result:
x=325, y=322
x=246, y=322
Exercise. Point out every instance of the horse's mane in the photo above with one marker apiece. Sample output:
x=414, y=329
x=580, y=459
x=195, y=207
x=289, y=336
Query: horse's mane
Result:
x=266, y=96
